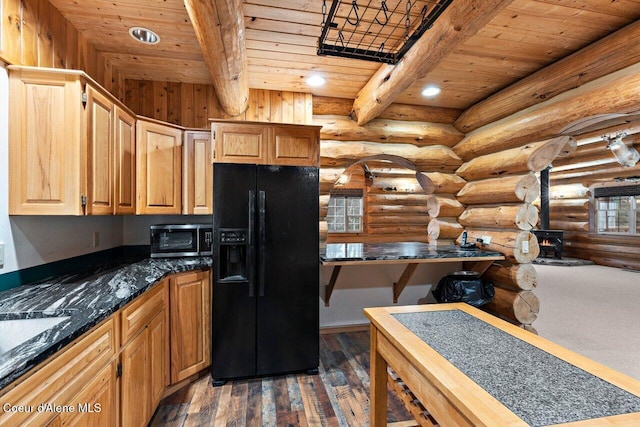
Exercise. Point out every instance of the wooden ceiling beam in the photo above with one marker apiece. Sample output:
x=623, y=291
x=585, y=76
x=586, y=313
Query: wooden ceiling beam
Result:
x=461, y=20
x=219, y=27
x=615, y=52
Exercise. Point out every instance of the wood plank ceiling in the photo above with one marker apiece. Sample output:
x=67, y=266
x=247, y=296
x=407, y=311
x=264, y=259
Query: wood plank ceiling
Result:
x=281, y=38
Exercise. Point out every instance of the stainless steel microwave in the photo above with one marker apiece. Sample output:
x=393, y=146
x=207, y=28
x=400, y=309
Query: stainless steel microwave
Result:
x=178, y=240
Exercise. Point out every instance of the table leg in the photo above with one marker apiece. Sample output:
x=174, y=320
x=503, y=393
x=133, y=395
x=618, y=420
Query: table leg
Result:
x=399, y=286
x=332, y=283
x=378, y=383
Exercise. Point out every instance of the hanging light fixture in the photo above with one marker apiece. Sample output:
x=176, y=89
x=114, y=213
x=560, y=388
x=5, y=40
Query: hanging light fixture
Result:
x=625, y=155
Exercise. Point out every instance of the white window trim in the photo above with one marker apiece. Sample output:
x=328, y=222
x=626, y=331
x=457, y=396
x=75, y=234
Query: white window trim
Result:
x=633, y=214
x=347, y=216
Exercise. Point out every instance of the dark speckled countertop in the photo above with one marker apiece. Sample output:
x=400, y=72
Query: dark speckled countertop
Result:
x=88, y=297
x=340, y=252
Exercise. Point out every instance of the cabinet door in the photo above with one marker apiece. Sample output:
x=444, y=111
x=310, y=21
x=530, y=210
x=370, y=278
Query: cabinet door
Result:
x=45, y=117
x=125, y=162
x=135, y=389
x=158, y=359
x=297, y=146
x=239, y=143
x=100, y=116
x=190, y=319
x=159, y=168
x=198, y=173
x=95, y=405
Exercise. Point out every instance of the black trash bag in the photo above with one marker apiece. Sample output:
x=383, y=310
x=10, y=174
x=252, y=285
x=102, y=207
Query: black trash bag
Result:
x=464, y=286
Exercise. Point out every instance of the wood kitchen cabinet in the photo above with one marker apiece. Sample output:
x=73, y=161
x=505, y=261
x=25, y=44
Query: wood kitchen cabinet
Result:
x=95, y=405
x=62, y=142
x=125, y=162
x=260, y=143
x=100, y=114
x=197, y=173
x=76, y=373
x=159, y=167
x=145, y=355
x=117, y=373
x=190, y=319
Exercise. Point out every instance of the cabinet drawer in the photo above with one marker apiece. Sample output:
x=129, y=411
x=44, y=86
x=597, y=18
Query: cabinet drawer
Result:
x=139, y=313
x=58, y=381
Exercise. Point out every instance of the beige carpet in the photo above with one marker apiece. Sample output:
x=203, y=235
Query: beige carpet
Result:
x=592, y=310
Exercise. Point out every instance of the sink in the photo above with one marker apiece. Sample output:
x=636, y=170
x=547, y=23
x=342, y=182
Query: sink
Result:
x=14, y=332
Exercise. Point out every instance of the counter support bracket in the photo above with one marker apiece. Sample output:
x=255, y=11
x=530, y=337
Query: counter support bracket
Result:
x=332, y=283
x=399, y=286
x=478, y=266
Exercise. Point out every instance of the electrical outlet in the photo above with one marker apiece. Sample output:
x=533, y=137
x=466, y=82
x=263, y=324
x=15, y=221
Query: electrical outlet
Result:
x=96, y=239
x=1, y=255
x=486, y=240
x=525, y=247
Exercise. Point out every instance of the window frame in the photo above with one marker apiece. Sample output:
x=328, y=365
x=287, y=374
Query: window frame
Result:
x=618, y=190
x=346, y=197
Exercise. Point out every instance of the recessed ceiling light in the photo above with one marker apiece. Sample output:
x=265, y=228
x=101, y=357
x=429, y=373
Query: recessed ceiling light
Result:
x=430, y=91
x=316, y=80
x=144, y=35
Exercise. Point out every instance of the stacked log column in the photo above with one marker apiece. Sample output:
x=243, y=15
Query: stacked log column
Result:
x=444, y=209
x=498, y=197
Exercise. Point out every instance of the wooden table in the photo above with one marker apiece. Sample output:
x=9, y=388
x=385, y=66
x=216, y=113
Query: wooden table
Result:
x=410, y=253
x=453, y=398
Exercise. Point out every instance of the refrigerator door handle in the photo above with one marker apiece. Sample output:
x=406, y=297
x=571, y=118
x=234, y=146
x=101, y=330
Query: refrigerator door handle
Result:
x=262, y=225
x=250, y=238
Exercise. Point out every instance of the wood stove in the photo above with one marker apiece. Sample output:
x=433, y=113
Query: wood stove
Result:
x=550, y=242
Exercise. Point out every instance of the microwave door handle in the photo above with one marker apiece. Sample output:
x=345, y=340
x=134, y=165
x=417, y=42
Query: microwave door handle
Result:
x=249, y=254
x=262, y=226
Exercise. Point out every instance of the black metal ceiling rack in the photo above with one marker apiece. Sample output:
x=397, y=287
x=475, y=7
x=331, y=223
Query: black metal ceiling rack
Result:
x=376, y=30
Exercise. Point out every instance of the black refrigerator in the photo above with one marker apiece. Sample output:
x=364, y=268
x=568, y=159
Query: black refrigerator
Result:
x=266, y=271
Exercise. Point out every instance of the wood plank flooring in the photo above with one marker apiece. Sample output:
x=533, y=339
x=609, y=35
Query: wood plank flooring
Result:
x=337, y=396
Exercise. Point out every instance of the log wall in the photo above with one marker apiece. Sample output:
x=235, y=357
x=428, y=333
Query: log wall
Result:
x=34, y=33
x=570, y=203
x=396, y=206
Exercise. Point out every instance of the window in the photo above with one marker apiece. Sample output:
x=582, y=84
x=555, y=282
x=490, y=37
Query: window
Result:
x=345, y=212
x=617, y=209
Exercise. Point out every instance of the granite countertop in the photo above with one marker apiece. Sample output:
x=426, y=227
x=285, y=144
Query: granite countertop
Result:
x=537, y=386
x=87, y=297
x=336, y=252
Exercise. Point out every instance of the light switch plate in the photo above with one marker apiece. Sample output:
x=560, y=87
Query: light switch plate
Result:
x=525, y=247
x=1, y=255
x=486, y=240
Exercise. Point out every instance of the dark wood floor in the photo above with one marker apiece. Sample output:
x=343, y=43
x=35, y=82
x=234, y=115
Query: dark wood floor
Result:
x=337, y=396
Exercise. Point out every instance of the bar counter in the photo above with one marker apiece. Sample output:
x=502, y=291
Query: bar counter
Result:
x=410, y=253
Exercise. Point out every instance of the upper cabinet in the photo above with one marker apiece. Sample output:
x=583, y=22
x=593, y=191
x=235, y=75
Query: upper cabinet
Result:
x=63, y=137
x=125, y=162
x=197, y=173
x=260, y=143
x=294, y=145
x=159, y=167
x=100, y=113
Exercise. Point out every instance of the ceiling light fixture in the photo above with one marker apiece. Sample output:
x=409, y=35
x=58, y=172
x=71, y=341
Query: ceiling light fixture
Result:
x=316, y=80
x=144, y=35
x=430, y=91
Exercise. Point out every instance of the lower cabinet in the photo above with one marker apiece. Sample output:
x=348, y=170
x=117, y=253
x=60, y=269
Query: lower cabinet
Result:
x=66, y=380
x=117, y=373
x=144, y=355
x=190, y=314
x=95, y=405
x=135, y=408
x=143, y=378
